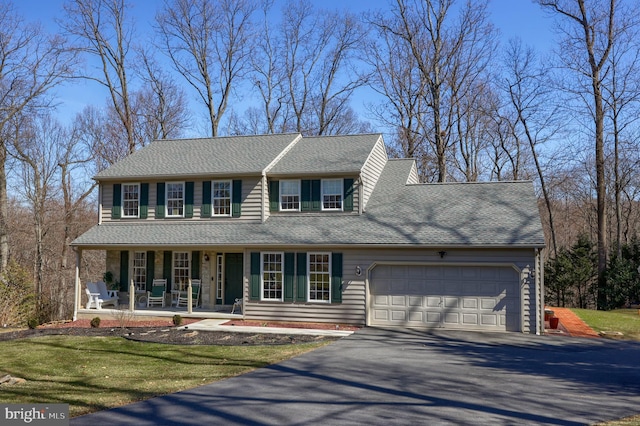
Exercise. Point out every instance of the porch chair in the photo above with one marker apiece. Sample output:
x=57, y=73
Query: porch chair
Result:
x=98, y=295
x=183, y=297
x=157, y=293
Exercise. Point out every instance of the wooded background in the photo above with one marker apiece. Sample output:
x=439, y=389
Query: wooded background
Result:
x=446, y=91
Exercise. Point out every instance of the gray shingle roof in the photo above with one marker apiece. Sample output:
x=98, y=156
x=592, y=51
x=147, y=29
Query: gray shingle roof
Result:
x=227, y=156
x=494, y=214
x=326, y=155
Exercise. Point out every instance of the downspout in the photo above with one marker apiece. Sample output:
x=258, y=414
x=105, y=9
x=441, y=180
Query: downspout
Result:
x=99, y=204
x=264, y=195
x=540, y=278
x=76, y=299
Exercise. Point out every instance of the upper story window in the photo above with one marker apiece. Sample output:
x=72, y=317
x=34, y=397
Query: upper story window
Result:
x=332, y=194
x=221, y=198
x=290, y=195
x=130, y=200
x=175, y=199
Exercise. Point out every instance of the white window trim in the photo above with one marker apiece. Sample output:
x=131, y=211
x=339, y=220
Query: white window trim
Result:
x=297, y=181
x=341, y=193
x=328, y=254
x=262, y=254
x=143, y=285
x=166, y=198
x=137, y=215
x=213, y=211
x=173, y=267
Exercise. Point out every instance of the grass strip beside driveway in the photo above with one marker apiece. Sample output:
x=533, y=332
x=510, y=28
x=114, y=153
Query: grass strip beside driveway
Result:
x=97, y=373
x=625, y=321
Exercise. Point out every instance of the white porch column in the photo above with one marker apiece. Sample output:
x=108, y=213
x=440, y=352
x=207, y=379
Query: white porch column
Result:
x=77, y=291
x=132, y=295
x=189, y=297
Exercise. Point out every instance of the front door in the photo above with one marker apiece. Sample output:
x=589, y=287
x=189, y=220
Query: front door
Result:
x=232, y=277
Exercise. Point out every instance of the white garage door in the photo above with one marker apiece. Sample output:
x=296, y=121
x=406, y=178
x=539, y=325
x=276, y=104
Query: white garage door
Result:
x=461, y=297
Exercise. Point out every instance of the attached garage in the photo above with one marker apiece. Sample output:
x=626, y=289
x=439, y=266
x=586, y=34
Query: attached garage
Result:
x=470, y=297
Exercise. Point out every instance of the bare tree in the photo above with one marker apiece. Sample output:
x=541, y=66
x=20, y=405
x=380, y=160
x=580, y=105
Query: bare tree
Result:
x=208, y=43
x=31, y=64
x=530, y=99
x=160, y=105
x=590, y=32
x=449, y=56
x=103, y=32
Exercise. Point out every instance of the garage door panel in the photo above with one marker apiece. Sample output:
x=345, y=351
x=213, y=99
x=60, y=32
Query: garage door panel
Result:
x=470, y=319
x=472, y=297
x=469, y=303
x=415, y=301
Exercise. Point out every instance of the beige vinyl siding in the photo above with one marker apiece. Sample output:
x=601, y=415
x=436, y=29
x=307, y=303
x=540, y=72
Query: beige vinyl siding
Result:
x=251, y=199
x=371, y=171
x=413, y=175
x=107, y=201
x=352, y=310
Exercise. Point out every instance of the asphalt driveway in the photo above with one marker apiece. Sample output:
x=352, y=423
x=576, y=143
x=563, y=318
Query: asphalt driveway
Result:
x=395, y=377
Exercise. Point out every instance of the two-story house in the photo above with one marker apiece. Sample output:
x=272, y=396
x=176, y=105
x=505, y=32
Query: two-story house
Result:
x=322, y=229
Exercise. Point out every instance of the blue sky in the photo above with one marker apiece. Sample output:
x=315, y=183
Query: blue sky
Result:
x=514, y=18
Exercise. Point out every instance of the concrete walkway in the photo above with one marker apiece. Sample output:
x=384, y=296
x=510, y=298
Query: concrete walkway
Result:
x=216, y=325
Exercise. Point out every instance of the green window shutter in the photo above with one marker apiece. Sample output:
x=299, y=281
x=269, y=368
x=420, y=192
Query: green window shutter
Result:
x=205, y=210
x=254, y=284
x=160, y=200
x=301, y=275
x=151, y=257
x=195, y=265
x=124, y=270
x=188, y=199
x=274, y=195
x=305, y=195
x=336, y=277
x=316, y=196
x=144, y=200
x=236, y=194
x=116, y=208
x=347, y=204
x=167, y=266
x=289, y=275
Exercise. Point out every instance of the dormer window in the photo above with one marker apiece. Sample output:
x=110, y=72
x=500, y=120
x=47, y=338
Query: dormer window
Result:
x=290, y=195
x=130, y=200
x=332, y=194
x=175, y=199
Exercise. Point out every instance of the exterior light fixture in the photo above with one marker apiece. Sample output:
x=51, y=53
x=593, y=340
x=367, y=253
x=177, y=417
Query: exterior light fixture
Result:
x=442, y=253
x=358, y=271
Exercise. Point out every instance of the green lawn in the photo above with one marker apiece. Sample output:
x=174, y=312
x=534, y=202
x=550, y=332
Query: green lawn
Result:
x=96, y=373
x=625, y=321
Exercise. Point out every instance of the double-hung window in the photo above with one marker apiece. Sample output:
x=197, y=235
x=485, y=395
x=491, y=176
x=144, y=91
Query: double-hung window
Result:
x=175, y=199
x=290, y=195
x=319, y=277
x=332, y=194
x=130, y=200
x=140, y=270
x=181, y=268
x=221, y=198
x=272, y=276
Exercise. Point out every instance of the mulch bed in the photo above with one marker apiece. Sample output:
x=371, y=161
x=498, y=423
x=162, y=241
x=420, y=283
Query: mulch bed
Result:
x=163, y=331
